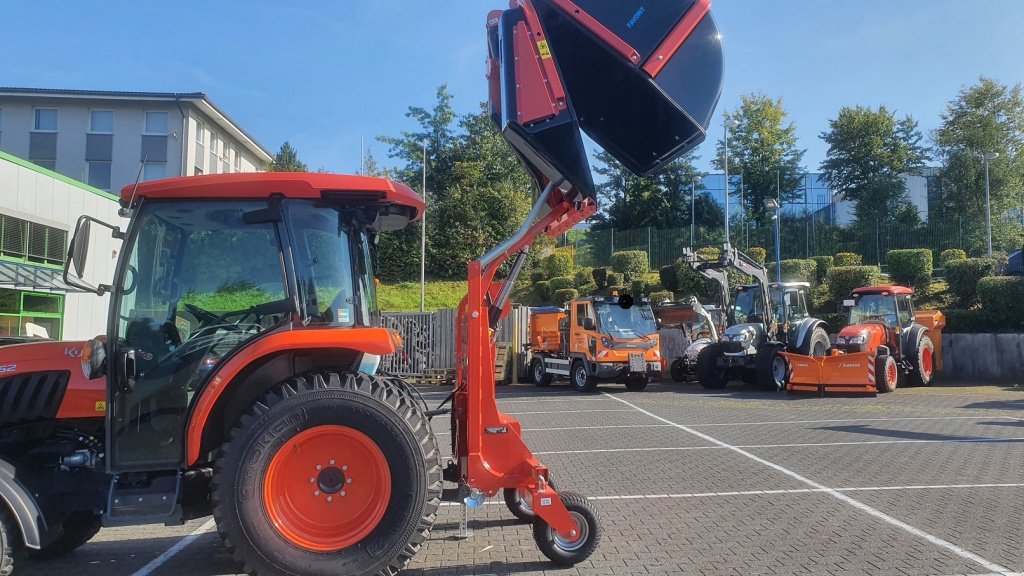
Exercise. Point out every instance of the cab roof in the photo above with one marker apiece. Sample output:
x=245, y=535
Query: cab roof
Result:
x=882, y=290
x=255, y=185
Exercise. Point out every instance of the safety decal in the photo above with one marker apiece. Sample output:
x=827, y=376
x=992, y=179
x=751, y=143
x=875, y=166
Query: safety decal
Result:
x=542, y=48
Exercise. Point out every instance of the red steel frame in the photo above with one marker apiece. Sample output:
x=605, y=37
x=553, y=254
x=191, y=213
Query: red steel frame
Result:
x=488, y=443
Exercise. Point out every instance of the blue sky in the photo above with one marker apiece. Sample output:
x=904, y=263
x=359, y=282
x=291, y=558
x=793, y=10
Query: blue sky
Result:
x=323, y=74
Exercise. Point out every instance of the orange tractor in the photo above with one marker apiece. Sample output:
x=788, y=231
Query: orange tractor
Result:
x=885, y=344
x=238, y=375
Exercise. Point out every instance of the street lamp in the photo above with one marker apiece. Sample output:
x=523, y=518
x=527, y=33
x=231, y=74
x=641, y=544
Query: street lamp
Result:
x=693, y=205
x=423, y=235
x=988, y=206
x=730, y=123
x=773, y=206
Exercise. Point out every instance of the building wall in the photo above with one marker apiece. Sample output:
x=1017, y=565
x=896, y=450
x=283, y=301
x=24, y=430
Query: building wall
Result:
x=38, y=195
x=228, y=148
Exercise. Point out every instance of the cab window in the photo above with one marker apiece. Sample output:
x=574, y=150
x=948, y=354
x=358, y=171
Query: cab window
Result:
x=905, y=310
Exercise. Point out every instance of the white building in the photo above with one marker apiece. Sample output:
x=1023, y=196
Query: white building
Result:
x=102, y=137
x=38, y=212
x=917, y=194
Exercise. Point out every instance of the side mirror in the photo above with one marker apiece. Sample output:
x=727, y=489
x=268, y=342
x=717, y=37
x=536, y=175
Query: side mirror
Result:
x=80, y=247
x=849, y=303
x=78, y=254
x=588, y=324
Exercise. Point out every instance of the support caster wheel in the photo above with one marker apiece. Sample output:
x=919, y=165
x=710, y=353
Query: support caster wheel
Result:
x=519, y=502
x=567, y=552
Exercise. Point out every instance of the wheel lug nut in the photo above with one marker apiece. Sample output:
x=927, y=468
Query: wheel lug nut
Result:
x=311, y=480
x=329, y=498
x=348, y=481
x=344, y=467
x=316, y=493
x=572, y=533
x=318, y=467
x=342, y=492
x=331, y=462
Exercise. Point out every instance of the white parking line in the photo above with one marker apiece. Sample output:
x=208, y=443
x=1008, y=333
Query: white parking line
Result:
x=894, y=419
x=178, y=547
x=566, y=399
x=962, y=552
x=583, y=428
x=567, y=411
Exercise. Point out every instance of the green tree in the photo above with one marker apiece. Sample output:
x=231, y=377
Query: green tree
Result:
x=286, y=160
x=985, y=117
x=868, y=152
x=763, y=147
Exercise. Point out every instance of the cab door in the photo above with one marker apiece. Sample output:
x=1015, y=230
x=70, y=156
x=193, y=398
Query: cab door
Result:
x=581, y=311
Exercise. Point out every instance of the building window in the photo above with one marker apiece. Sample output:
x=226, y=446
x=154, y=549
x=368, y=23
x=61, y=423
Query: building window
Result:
x=98, y=174
x=101, y=121
x=200, y=155
x=25, y=241
x=214, y=146
x=154, y=171
x=226, y=159
x=45, y=120
x=19, y=309
x=156, y=123
x=1, y=125
x=48, y=164
x=199, y=132
x=238, y=160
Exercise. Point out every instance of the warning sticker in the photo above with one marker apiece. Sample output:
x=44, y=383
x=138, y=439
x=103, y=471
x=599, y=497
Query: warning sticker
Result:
x=343, y=315
x=542, y=47
x=101, y=406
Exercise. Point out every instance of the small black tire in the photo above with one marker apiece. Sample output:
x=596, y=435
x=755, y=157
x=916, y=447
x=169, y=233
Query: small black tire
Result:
x=538, y=375
x=709, y=373
x=563, y=552
x=817, y=344
x=515, y=500
x=771, y=368
x=79, y=528
x=379, y=409
x=637, y=382
x=886, y=373
x=10, y=542
x=923, y=363
x=677, y=370
x=580, y=378
x=749, y=376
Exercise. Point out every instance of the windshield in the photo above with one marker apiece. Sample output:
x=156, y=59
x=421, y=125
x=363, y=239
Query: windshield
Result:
x=633, y=322
x=747, y=307
x=873, y=307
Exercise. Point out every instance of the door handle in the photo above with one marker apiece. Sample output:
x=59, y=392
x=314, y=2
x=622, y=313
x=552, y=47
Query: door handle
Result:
x=126, y=371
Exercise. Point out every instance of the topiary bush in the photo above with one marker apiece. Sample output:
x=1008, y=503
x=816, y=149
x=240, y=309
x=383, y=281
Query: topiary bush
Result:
x=587, y=289
x=617, y=288
x=820, y=298
x=582, y=276
x=661, y=296
x=709, y=253
x=669, y=277
x=962, y=276
x=562, y=283
x=615, y=279
x=1003, y=296
x=951, y=254
x=799, y=271
x=823, y=264
x=632, y=264
x=543, y=290
x=910, y=267
x=565, y=294
x=600, y=276
x=959, y=321
x=842, y=280
x=558, y=263
x=537, y=276
x=638, y=287
x=758, y=254
x=847, y=259
x=689, y=283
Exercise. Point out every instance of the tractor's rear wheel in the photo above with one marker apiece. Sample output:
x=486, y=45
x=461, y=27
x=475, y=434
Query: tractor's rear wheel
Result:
x=923, y=363
x=10, y=542
x=328, y=474
x=569, y=552
x=79, y=528
x=771, y=367
x=677, y=370
x=711, y=375
x=817, y=344
x=538, y=375
x=887, y=374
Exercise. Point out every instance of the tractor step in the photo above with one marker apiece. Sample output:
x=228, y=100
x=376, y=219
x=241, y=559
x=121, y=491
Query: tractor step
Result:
x=150, y=501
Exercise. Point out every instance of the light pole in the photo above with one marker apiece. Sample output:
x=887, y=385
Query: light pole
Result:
x=423, y=235
x=693, y=205
x=773, y=206
x=988, y=206
x=730, y=123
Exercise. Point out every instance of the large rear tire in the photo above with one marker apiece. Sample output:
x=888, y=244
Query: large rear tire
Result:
x=923, y=363
x=711, y=375
x=328, y=474
x=79, y=528
x=817, y=344
x=771, y=368
x=538, y=375
x=568, y=553
x=10, y=542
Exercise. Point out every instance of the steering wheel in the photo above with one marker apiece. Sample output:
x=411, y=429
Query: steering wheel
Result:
x=204, y=316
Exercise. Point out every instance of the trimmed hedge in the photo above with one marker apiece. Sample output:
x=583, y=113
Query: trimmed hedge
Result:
x=565, y=294
x=669, y=277
x=847, y=259
x=689, y=283
x=962, y=276
x=615, y=279
x=960, y=321
x=911, y=267
x=823, y=265
x=1003, y=296
x=543, y=290
x=638, y=287
x=842, y=280
x=600, y=276
x=758, y=254
x=632, y=264
x=562, y=283
x=581, y=277
x=709, y=253
x=661, y=296
x=587, y=289
x=537, y=276
x=951, y=254
x=558, y=263
x=799, y=271
x=820, y=298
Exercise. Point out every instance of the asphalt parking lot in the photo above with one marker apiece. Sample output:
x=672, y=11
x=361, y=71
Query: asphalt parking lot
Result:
x=922, y=481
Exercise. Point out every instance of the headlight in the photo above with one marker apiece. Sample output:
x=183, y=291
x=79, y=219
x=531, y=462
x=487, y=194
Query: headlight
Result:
x=94, y=357
x=852, y=339
x=606, y=342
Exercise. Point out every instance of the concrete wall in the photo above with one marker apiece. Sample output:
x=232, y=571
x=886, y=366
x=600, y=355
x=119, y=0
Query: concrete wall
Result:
x=228, y=147
x=983, y=357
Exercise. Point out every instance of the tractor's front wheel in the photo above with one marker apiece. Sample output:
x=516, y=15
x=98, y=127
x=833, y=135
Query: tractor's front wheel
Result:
x=570, y=552
x=79, y=528
x=710, y=373
x=637, y=382
x=771, y=367
x=817, y=344
x=10, y=542
x=328, y=474
x=887, y=374
x=677, y=370
x=923, y=363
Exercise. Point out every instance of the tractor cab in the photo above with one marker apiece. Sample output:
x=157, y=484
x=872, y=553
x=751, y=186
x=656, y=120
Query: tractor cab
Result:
x=787, y=304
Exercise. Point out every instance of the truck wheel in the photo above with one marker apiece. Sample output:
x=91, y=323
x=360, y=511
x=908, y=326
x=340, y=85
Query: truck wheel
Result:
x=560, y=550
x=10, y=542
x=677, y=370
x=519, y=502
x=749, y=376
x=328, y=474
x=923, y=363
x=709, y=373
x=771, y=368
x=637, y=382
x=886, y=373
x=538, y=375
x=817, y=344
x=79, y=528
x=582, y=380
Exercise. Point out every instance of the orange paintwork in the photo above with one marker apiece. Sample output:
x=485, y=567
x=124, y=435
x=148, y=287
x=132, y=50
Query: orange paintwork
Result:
x=934, y=321
x=546, y=337
x=835, y=373
x=83, y=398
x=544, y=334
x=369, y=340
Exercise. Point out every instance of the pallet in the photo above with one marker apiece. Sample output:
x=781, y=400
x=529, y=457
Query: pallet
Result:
x=501, y=363
x=432, y=377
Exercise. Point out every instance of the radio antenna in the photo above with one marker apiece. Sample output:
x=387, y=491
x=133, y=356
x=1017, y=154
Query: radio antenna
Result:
x=126, y=212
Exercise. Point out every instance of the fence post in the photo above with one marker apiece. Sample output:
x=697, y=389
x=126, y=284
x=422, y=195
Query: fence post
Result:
x=612, y=230
x=649, y=259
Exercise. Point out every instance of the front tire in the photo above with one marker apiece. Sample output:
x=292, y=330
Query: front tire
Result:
x=677, y=370
x=569, y=553
x=637, y=382
x=887, y=374
x=711, y=375
x=10, y=542
x=771, y=368
x=328, y=474
x=79, y=528
x=923, y=363
x=582, y=380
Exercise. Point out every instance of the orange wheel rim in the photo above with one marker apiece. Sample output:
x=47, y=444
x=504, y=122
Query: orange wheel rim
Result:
x=327, y=488
x=890, y=372
x=926, y=364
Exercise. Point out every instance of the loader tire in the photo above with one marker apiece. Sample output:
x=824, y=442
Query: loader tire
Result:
x=771, y=368
x=581, y=379
x=333, y=473
x=711, y=375
x=677, y=370
x=79, y=528
x=817, y=344
x=538, y=375
x=923, y=363
x=887, y=374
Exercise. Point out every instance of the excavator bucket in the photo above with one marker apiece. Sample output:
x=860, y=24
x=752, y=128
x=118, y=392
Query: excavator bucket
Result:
x=839, y=373
x=641, y=79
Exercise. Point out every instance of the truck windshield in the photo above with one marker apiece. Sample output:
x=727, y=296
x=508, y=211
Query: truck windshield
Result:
x=874, y=307
x=633, y=322
x=747, y=307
